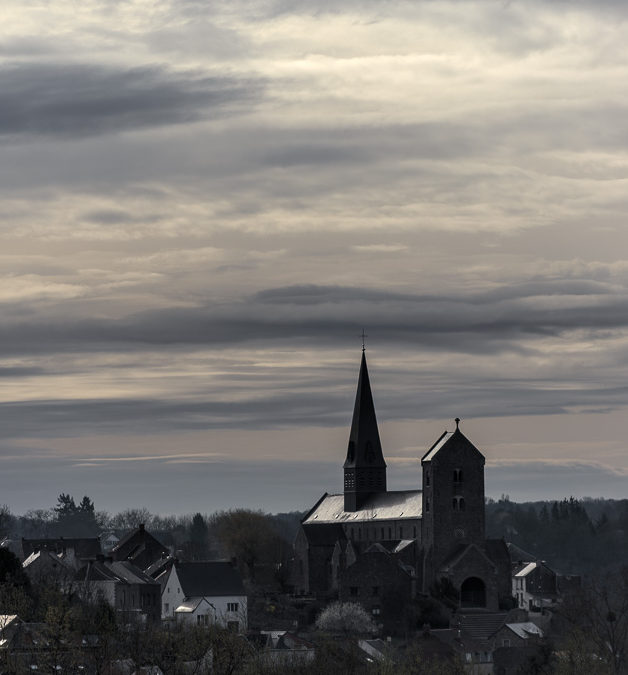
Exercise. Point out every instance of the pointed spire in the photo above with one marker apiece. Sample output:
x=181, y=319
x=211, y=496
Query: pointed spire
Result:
x=364, y=467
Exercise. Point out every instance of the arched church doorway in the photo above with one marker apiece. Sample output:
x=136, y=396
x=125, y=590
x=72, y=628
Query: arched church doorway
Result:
x=473, y=593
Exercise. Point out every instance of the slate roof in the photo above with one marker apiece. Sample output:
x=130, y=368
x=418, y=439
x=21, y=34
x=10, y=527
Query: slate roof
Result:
x=482, y=625
x=209, y=578
x=525, y=569
x=393, y=505
x=525, y=630
x=455, y=438
x=160, y=566
x=139, y=546
x=130, y=573
x=121, y=572
x=84, y=547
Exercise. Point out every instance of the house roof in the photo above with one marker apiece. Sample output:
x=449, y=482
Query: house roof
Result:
x=137, y=542
x=97, y=571
x=160, y=566
x=84, y=547
x=42, y=555
x=209, y=578
x=130, y=572
x=481, y=625
x=192, y=605
x=379, y=506
x=525, y=630
x=526, y=569
x=120, y=571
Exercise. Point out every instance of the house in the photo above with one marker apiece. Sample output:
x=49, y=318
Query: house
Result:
x=45, y=566
x=132, y=593
x=440, y=527
x=204, y=593
x=108, y=541
x=282, y=648
x=534, y=585
x=478, y=639
x=74, y=552
x=139, y=547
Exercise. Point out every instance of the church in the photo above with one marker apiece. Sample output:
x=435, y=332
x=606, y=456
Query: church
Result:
x=415, y=542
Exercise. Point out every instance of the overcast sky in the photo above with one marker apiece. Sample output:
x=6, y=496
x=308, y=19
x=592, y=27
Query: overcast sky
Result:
x=203, y=203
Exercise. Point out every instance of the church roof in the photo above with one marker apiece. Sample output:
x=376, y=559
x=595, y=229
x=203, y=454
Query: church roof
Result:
x=451, y=439
x=379, y=506
x=365, y=448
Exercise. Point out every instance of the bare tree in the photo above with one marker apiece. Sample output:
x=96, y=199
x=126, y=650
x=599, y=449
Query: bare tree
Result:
x=597, y=627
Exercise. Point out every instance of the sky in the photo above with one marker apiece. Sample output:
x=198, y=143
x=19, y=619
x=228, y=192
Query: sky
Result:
x=203, y=204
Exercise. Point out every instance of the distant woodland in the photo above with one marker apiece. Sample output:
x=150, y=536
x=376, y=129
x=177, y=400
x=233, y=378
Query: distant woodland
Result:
x=573, y=536
x=588, y=536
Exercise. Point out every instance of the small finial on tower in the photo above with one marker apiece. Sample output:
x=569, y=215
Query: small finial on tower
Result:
x=457, y=421
x=364, y=336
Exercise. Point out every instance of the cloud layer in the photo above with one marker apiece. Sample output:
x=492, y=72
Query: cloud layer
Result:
x=201, y=210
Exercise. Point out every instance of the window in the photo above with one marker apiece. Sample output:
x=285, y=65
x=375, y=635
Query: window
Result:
x=458, y=503
x=401, y=533
x=427, y=505
x=376, y=611
x=505, y=642
x=390, y=532
x=353, y=591
x=202, y=620
x=457, y=475
x=427, y=478
x=232, y=606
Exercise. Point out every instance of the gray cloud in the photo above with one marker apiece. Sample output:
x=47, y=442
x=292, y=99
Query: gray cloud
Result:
x=467, y=322
x=70, y=100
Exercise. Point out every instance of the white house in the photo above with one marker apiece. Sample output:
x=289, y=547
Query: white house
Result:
x=204, y=593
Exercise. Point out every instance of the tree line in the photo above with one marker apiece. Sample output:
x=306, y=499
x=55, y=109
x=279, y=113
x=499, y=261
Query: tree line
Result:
x=588, y=536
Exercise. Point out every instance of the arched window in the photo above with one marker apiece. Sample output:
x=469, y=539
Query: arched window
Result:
x=427, y=505
x=457, y=475
x=458, y=504
x=473, y=593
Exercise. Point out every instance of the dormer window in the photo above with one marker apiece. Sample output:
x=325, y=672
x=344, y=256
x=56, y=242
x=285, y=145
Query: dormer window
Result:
x=457, y=475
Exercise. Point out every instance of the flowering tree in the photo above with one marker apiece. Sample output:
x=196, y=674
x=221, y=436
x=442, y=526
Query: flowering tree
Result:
x=349, y=618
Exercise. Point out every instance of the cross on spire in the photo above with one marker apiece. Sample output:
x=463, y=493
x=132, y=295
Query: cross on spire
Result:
x=363, y=336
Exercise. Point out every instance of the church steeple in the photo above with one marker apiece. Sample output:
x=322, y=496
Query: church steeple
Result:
x=364, y=467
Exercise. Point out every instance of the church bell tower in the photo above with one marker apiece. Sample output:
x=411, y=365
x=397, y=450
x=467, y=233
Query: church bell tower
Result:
x=364, y=467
